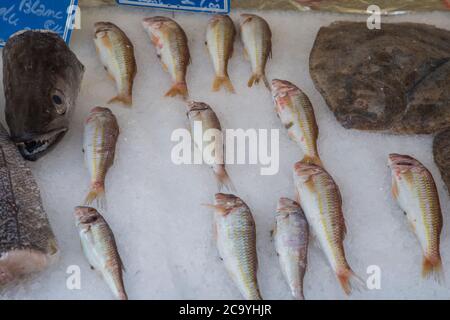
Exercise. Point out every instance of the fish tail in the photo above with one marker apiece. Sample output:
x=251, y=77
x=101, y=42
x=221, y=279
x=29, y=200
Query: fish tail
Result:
x=256, y=78
x=312, y=160
x=122, y=296
x=127, y=100
x=220, y=81
x=97, y=193
x=350, y=281
x=432, y=267
x=224, y=181
x=179, y=88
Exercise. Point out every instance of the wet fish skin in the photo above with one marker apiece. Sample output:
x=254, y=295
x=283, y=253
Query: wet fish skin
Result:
x=117, y=55
x=41, y=78
x=201, y=112
x=172, y=49
x=320, y=199
x=27, y=242
x=297, y=115
x=291, y=243
x=100, y=249
x=99, y=145
x=220, y=37
x=414, y=189
x=236, y=242
x=257, y=39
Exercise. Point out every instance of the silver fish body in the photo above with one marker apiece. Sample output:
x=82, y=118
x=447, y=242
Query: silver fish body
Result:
x=27, y=242
x=200, y=113
x=291, y=243
x=100, y=249
x=236, y=242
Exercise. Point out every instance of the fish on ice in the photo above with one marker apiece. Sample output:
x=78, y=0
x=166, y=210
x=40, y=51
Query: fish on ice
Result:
x=99, y=247
x=414, y=189
x=321, y=201
x=171, y=44
x=116, y=53
x=101, y=132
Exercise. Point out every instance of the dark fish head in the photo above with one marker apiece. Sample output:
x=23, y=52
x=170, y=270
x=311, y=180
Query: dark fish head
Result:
x=42, y=79
x=86, y=216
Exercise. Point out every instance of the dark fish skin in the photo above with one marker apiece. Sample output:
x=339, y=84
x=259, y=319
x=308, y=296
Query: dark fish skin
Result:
x=41, y=79
x=27, y=242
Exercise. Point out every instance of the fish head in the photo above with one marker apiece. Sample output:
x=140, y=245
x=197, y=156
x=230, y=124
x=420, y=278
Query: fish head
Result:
x=227, y=202
x=158, y=26
x=42, y=79
x=195, y=108
x=246, y=18
x=306, y=171
x=86, y=216
x=403, y=163
x=99, y=112
x=287, y=205
x=102, y=28
x=282, y=90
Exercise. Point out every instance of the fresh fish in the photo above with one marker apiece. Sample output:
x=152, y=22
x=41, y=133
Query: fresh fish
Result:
x=220, y=36
x=117, y=55
x=236, y=242
x=42, y=79
x=100, y=249
x=415, y=191
x=297, y=115
x=171, y=45
x=257, y=39
x=201, y=113
x=27, y=242
x=321, y=202
x=291, y=243
x=100, y=137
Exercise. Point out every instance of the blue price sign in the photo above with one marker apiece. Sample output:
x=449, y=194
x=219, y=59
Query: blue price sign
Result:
x=55, y=15
x=212, y=6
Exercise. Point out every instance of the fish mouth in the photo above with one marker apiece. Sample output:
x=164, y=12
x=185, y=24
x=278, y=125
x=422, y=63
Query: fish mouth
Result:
x=34, y=148
x=399, y=160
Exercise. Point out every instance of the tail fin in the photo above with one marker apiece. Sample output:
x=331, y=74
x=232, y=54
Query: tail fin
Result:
x=432, y=268
x=350, y=281
x=179, y=88
x=223, y=180
x=124, y=99
x=97, y=193
x=220, y=81
x=256, y=78
x=312, y=160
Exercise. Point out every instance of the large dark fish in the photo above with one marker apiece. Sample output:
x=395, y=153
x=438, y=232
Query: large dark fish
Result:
x=27, y=242
x=42, y=78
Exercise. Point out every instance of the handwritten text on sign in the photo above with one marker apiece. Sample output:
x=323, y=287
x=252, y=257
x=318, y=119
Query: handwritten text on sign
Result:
x=213, y=6
x=54, y=15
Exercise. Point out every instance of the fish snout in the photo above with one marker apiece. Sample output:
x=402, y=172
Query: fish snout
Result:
x=34, y=146
x=85, y=215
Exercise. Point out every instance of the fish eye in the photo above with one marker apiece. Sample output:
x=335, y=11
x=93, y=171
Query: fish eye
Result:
x=59, y=102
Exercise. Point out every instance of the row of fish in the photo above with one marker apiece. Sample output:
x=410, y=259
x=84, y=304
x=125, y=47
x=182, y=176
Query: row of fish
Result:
x=171, y=43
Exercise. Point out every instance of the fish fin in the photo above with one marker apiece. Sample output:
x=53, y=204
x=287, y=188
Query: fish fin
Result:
x=312, y=160
x=97, y=193
x=123, y=99
x=164, y=66
x=224, y=181
x=394, y=189
x=220, y=81
x=350, y=281
x=179, y=88
x=222, y=210
x=122, y=296
x=432, y=268
x=256, y=78
x=246, y=54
